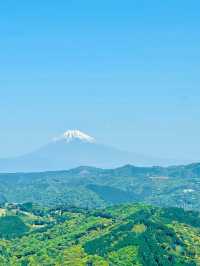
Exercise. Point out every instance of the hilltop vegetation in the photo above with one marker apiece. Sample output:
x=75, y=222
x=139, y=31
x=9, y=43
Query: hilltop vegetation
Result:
x=177, y=186
x=123, y=235
x=89, y=217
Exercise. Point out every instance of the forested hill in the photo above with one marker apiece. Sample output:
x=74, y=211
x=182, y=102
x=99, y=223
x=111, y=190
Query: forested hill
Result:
x=177, y=186
x=123, y=235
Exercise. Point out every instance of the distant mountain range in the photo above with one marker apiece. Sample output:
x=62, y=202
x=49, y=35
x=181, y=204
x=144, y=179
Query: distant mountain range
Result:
x=72, y=149
x=91, y=187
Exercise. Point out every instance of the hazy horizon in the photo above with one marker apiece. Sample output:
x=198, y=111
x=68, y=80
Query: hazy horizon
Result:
x=99, y=133
x=125, y=74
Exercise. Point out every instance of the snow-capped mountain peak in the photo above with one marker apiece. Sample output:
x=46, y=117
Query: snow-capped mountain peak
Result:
x=75, y=134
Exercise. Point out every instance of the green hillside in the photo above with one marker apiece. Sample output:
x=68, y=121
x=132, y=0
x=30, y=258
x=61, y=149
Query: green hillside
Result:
x=123, y=235
x=177, y=186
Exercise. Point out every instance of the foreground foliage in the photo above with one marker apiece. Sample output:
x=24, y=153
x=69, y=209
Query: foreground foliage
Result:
x=123, y=235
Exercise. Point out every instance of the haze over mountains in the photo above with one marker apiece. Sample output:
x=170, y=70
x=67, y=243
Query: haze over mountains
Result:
x=91, y=187
x=72, y=149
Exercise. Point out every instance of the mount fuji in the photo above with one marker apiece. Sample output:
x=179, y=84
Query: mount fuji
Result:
x=72, y=149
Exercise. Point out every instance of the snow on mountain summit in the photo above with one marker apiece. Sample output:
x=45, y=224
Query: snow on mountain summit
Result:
x=71, y=135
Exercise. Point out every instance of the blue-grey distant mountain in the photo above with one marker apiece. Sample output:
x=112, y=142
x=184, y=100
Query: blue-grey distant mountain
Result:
x=74, y=148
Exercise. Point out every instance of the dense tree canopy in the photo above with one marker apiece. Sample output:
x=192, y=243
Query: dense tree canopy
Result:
x=123, y=235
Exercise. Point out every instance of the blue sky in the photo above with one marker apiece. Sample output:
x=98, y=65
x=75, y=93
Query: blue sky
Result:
x=127, y=72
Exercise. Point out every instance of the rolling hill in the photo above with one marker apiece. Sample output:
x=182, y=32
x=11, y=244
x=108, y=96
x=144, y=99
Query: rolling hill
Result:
x=124, y=235
x=90, y=187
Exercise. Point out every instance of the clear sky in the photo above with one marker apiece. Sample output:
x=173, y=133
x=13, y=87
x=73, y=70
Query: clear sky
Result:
x=126, y=72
